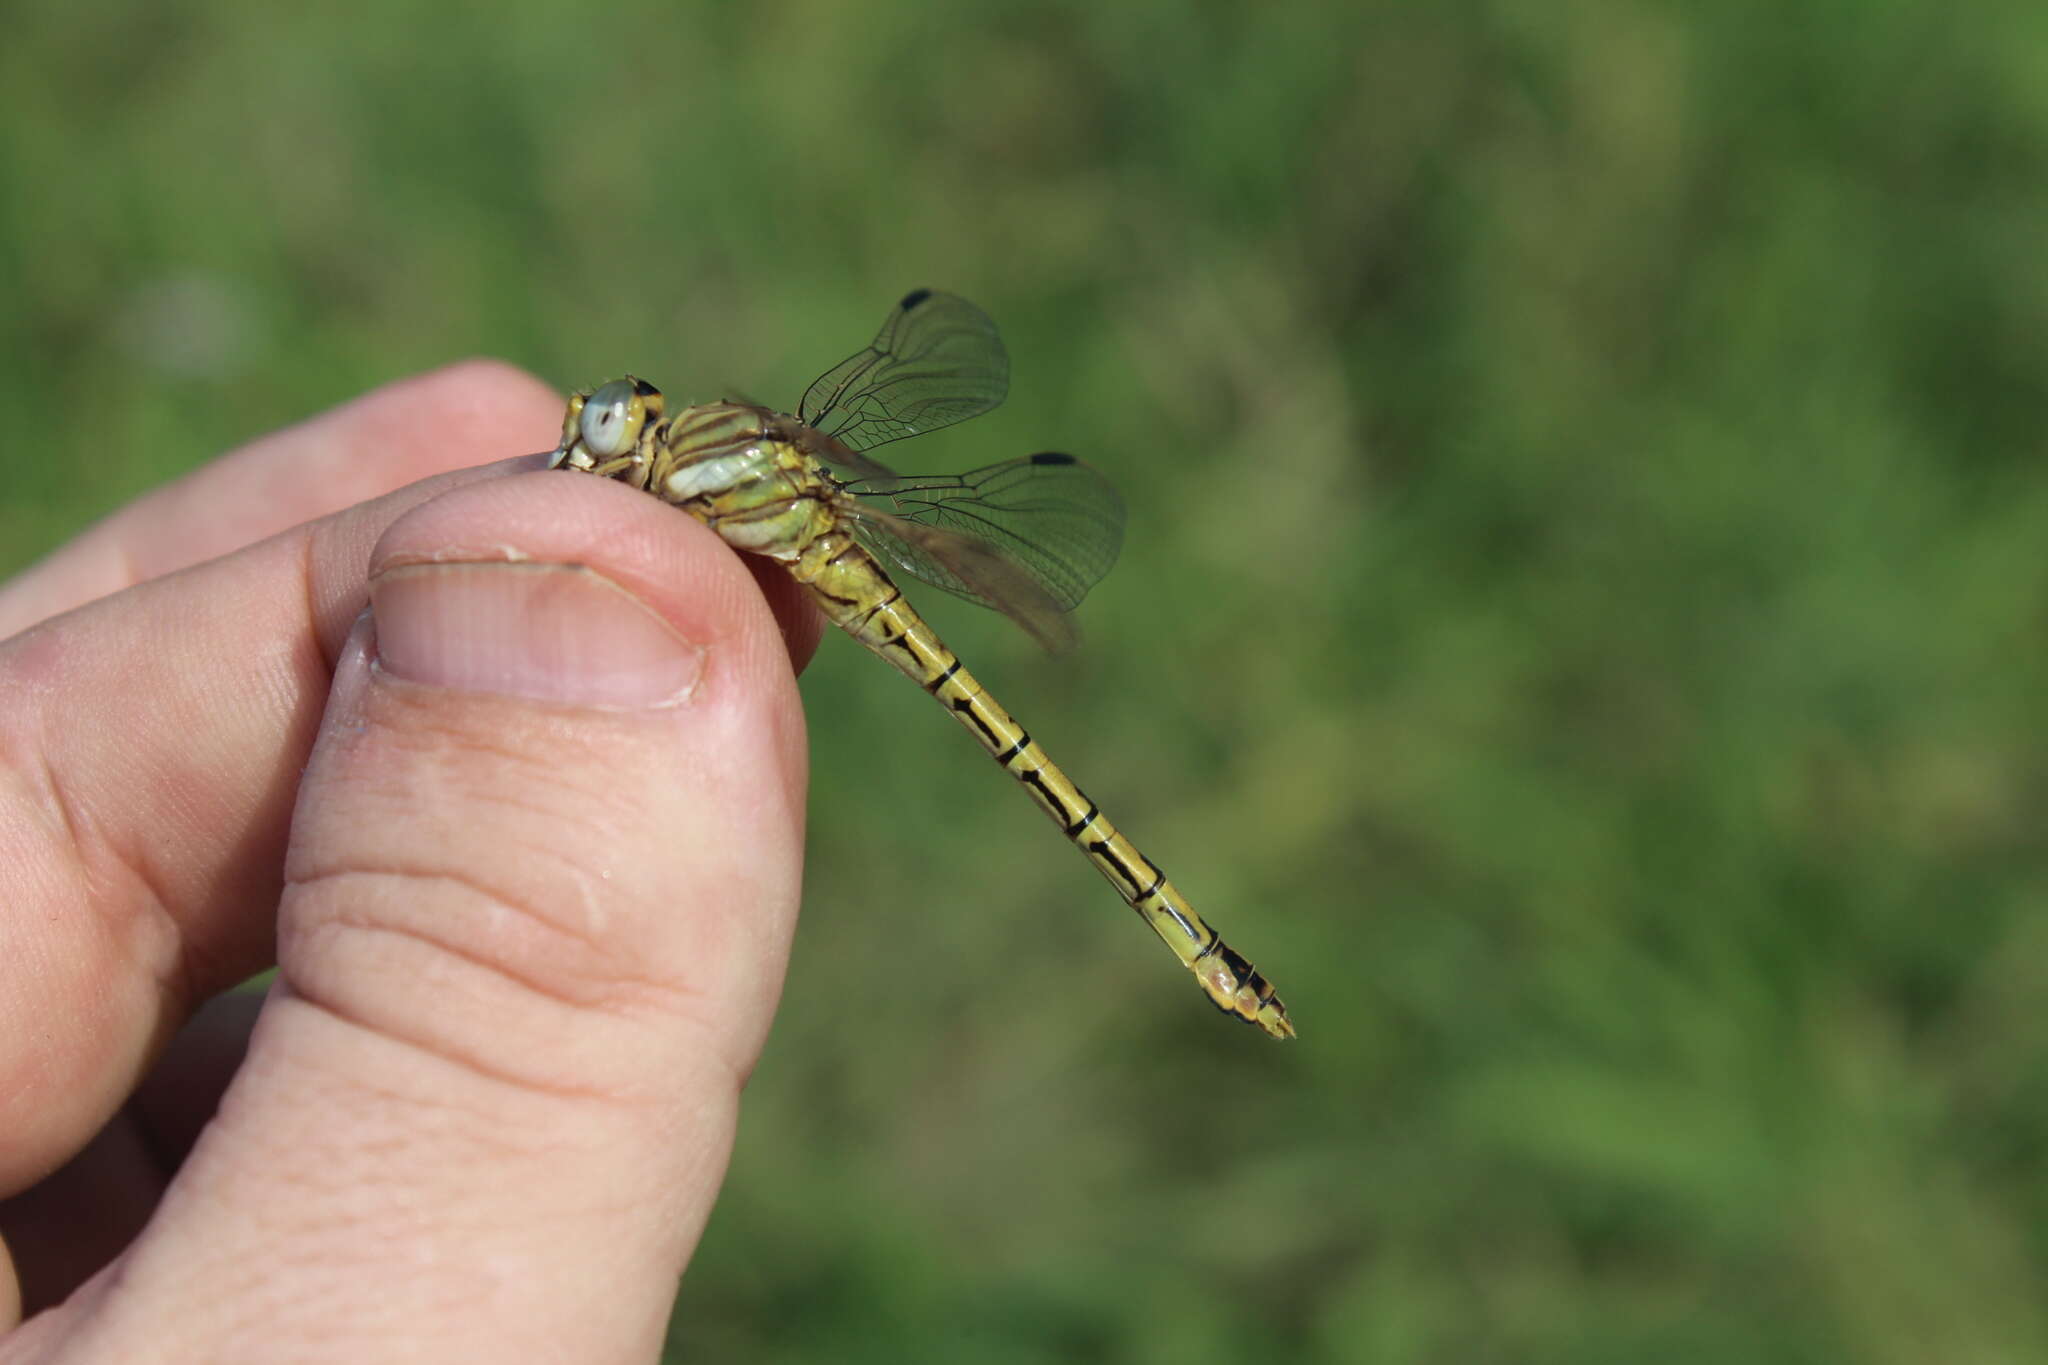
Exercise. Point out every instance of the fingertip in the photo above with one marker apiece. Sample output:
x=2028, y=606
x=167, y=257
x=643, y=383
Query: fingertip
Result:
x=657, y=553
x=480, y=402
x=452, y=417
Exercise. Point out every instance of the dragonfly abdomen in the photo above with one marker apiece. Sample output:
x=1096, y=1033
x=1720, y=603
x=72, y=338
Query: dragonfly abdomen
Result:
x=860, y=598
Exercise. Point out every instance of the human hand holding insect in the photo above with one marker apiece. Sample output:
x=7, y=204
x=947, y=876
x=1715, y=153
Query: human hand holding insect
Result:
x=536, y=894
x=526, y=854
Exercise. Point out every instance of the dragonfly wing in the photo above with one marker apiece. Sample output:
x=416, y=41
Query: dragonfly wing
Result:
x=937, y=360
x=1027, y=537
x=966, y=568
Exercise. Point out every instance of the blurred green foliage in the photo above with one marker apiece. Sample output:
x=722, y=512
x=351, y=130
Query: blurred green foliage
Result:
x=1581, y=633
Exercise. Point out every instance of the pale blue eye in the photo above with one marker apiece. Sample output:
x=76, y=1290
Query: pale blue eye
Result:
x=612, y=418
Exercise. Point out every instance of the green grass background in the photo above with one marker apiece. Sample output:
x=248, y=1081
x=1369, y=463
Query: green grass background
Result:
x=1581, y=630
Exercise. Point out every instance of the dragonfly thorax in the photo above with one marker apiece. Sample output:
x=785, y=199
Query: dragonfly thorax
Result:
x=712, y=474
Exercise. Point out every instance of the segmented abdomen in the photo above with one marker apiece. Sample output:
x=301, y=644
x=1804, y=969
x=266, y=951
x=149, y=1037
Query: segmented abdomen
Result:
x=859, y=597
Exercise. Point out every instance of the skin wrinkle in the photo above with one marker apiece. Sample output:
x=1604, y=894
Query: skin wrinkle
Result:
x=185, y=974
x=420, y=740
x=594, y=812
x=292, y=671
x=446, y=947
x=436, y=1114
x=309, y=570
x=512, y=798
x=98, y=869
x=98, y=863
x=674, y=999
x=49, y=798
x=180, y=978
x=598, y=1001
x=474, y=1061
x=433, y=735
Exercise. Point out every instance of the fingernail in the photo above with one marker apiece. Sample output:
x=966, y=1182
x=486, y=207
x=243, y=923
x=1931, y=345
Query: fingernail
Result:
x=548, y=631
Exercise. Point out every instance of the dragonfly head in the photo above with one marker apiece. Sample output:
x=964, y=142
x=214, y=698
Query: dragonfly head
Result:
x=604, y=425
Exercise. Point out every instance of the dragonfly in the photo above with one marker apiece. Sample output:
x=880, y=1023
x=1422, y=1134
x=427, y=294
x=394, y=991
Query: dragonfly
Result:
x=1028, y=537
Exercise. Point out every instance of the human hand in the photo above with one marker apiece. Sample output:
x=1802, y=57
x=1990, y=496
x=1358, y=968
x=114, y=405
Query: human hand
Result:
x=523, y=840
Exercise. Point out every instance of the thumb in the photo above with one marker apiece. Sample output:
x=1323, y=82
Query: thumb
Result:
x=541, y=882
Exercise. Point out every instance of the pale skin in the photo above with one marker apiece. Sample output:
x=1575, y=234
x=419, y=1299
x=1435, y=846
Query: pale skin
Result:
x=523, y=839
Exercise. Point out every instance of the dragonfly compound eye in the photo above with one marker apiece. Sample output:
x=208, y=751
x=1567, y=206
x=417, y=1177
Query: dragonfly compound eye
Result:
x=612, y=418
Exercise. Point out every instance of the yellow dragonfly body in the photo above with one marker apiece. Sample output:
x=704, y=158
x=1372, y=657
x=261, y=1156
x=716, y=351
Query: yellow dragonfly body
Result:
x=1027, y=537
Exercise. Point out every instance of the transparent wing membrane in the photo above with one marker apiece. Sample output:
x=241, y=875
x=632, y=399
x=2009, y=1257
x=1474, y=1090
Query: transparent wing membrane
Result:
x=1027, y=537
x=937, y=360
x=969, y=569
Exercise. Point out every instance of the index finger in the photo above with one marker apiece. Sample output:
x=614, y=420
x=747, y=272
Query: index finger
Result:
x=429, y=424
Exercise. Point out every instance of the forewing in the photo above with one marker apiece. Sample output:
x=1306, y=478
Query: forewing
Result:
x=1027, y=537
x=937, y=360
